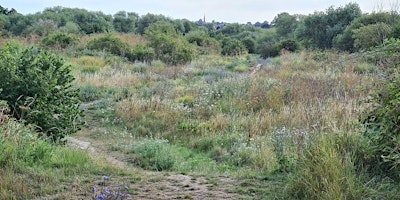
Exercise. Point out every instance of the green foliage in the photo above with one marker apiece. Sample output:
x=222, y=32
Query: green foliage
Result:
x=233, y=47
x=382, y=128
x=89, y=93
x=141, y=53
x=59, y=40
x=148, y=19
x=154, y=155
x=345, y=40
x=289, y=45
x=37, y=86
x=324, y=171
x=285, y=25
x=125, y=22
x=170, y=47
x=109, y=43
x=319, y=30
x=205, y=44
x=21, y=147
x=371, y=35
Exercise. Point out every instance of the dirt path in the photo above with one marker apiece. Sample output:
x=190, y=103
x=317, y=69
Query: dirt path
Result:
x=162, y=185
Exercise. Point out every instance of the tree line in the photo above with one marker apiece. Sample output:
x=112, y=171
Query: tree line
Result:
x=343, y=28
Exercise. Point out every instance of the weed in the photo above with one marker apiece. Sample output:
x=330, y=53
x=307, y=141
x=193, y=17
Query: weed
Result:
x=153, y=155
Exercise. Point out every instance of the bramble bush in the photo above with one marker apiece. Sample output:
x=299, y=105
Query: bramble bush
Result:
x=381, y=121
x=37, y=87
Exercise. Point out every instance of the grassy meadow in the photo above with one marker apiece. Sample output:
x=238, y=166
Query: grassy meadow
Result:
x=286, y=130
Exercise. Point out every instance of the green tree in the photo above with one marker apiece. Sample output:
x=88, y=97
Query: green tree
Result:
x=37, y=87
x=345, y=40
x=285, y=25
x=147, y=20
x=320, y=29
x=125, y=22
x=204, y=43
x=371, y=35
x=170, y=47
x=233, y=47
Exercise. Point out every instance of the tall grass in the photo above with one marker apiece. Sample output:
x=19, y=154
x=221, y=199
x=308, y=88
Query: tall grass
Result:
x=325, y=172
x=288, y=117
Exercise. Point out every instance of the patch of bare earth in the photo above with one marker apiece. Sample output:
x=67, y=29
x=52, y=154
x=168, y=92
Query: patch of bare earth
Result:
x=161, y=185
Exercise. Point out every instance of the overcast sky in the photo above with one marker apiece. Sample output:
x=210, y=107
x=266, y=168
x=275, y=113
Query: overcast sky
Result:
x=241, y=11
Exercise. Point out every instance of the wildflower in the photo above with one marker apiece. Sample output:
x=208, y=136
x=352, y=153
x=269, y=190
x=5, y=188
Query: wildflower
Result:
x=101, y=196
x=126, y=187
x=94, y=188
x=105, y=178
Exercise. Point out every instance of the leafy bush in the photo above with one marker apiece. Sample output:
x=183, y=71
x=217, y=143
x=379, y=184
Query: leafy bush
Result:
x=109, y=43
x=170, y=47
x=289, y=45
x=382, y=128
x=141, y=53
x=59, y=40
x=37, y=86
x=233, y=47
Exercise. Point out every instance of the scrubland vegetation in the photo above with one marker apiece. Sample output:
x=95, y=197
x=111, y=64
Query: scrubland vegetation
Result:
x=278, y=111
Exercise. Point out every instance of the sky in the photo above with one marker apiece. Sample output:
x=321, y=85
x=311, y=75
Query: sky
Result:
x=241, y=11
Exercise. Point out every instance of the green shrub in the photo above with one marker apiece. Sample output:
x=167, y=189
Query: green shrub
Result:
x=289, y=45
x=169, y=46
x=109, y=43
x=382, y=128
x=141, y=53
x=59, y=40
x=154, y=155
x=37, y=87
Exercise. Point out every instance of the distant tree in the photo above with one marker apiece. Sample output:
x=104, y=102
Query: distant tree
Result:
x=320, y=29
x=250, y=44
x=5, y=11
x=125, y=22
x=345, y=40
x=146, y=20
x=169, y=46
x=288, y=45
x=231, y=29
x=285, y=25
x=233, y=47
x=93, y=22
x=42, y=27
x=371, y=35
x=16, y=24
x=204, y=43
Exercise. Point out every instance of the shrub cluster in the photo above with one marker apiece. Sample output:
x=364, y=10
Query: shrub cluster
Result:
x=37, y=87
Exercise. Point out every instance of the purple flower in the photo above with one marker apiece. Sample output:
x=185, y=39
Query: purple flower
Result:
x=94, y=188
x=105, y=177
x=118, y=188
x=101, y=196
x=126, y=187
